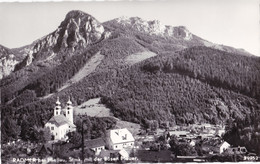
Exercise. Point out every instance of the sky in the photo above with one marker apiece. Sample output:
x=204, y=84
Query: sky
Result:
x=230, y=22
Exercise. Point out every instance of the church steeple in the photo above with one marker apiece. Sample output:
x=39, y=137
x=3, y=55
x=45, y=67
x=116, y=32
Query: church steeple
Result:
x=69, y=111
x=69, y=102
x=57, y=108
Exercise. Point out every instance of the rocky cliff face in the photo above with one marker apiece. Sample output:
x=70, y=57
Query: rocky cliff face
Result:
x=79, y=27
x=7, y=65
x=155, y=27
x=7, y=61
x=76, y=31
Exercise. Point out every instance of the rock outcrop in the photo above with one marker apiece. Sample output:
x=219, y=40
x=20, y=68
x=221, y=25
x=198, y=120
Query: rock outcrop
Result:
x=178, y=33
x=155, y=27
x=7, y=61
x=7, y=65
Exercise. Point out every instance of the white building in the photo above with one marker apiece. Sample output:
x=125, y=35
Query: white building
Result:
x=62, y=121
x=221, y=132
x=118, y=139
x=223, y=146
x=192, y=143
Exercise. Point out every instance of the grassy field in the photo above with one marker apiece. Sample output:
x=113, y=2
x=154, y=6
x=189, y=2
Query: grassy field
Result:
x=93, y=108
x=140, y=56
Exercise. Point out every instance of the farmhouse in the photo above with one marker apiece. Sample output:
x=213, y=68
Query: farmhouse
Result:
x=96, y=145
x=118, y=139
x=62, y=121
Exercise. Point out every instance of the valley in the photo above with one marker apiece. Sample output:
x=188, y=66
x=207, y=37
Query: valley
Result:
x=154, y=80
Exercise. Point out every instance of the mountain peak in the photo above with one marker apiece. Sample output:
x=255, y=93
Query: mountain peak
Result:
x=78, y=29
x=75, y=14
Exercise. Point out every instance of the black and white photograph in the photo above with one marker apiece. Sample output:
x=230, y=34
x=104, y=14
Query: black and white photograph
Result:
x=128, y=81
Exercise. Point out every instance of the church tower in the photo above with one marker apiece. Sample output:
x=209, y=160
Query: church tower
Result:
x=69, y=111
x=57, y=108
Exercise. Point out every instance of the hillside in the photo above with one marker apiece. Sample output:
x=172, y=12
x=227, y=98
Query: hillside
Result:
x=141, y=70
x=188, y=87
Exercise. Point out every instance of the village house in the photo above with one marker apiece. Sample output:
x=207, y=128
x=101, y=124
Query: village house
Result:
x=97, y=145
x=237, y=150
x=118, y=139
x=219, y=147
x=44, y=150
x=114, y=155
x=220, y=132
x=223, y=146
x=192, y=143
x=215, y=146
x=179, y=133
x=62, y=121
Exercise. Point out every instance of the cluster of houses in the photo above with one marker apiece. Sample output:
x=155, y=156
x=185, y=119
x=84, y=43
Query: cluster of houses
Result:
x=120, y=144
x=198, y=130
x=211, y=135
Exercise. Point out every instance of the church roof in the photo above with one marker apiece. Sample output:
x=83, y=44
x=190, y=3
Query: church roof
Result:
x=60, y=120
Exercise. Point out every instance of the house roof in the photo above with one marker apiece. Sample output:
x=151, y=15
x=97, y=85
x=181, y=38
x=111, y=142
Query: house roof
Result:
x=95, y=143
x=124, y=153
x=60, y=120
x=107, y=153
x=45, y=148
x=121, y=136
x=214, y=145
x=224, y=142
x=113, y=153
x=178, y=133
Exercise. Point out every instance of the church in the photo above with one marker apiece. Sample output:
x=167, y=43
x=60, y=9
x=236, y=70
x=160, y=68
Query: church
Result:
x=62, y=121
